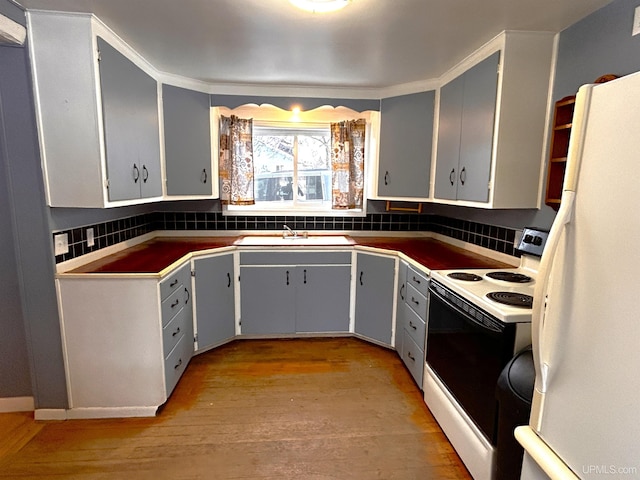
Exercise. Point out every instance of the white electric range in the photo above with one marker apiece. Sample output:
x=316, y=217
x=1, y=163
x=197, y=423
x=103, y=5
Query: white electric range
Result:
x=478, y=319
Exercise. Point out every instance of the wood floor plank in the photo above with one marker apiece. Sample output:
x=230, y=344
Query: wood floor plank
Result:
x=258, y=409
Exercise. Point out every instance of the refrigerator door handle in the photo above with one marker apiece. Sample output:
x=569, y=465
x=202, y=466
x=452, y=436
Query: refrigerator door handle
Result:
x=540, y=293
x=540, y=452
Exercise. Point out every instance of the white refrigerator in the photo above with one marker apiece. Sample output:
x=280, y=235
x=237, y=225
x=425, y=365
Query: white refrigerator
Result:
x=585, y=419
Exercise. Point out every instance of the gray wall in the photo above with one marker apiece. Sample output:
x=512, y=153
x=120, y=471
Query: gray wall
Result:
x=599, y=44
x=15, y=377
x=30, y=232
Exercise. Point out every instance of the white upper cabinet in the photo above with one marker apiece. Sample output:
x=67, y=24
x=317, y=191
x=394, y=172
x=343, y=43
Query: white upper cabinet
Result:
x=97, y=111
x=404, y=159
x=492, y=112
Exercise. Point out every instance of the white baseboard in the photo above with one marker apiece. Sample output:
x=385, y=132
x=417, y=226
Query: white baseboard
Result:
x=16, y=404
x=115, y=412
x=50, y=414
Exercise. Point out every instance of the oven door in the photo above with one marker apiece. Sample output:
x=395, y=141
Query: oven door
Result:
x=467, y=349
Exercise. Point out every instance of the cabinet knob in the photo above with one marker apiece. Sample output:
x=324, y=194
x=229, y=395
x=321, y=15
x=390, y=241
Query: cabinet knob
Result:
x=411, y=356
x=452, y=176
x=136, y=173
x=145, y=174
x=386, y=178
x=176, y=303
x=412, y=325
x=176, y=332
x=204, y=176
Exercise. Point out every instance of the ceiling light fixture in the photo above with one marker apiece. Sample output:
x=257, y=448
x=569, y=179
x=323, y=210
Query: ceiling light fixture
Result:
x=320, y=6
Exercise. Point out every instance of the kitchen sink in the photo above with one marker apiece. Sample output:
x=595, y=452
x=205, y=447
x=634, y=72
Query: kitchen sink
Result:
x=289, y=240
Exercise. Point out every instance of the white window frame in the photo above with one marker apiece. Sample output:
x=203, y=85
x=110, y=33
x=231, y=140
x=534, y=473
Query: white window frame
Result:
x=274, y=116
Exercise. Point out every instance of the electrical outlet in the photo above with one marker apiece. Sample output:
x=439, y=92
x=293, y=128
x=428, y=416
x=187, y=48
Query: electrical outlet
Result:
x=61, y=243
x=90, y=239
x=636, y=22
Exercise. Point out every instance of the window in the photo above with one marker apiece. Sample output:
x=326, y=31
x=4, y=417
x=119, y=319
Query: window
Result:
x=292, y=167
x=292, y=160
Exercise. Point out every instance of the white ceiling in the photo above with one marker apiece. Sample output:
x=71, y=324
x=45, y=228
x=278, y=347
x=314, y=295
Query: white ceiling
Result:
x=370, y=44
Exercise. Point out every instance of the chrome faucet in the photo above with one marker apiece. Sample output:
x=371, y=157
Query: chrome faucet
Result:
x=286, y=229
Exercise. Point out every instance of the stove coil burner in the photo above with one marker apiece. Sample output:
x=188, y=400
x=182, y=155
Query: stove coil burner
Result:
x=509, y=277
x=467, y=277
x=512, y=299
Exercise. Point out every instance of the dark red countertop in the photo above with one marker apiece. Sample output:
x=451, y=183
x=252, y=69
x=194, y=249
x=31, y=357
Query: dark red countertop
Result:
x=155, y=255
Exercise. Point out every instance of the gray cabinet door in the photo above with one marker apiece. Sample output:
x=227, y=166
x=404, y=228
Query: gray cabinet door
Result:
x=476, y=137
x=215, y=310
x=267, y=300
x=131, y=127
x=406, y=133
x=374, y=296
x=448, y=149
x=187, y=141
x=322, y=298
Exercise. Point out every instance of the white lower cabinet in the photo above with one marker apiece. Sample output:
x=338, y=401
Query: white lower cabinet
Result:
x=127, y=340
x=411, y=320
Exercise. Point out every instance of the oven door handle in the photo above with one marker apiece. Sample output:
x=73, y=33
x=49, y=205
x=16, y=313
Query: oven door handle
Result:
x=469, y=318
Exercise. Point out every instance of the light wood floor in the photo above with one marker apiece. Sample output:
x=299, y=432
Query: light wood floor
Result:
x=255, y=409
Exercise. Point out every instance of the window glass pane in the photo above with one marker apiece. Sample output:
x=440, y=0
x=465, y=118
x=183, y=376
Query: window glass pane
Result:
x=314, y=169
x=273, y=163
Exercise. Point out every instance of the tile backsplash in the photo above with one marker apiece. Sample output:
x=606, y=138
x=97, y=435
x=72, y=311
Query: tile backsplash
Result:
x=109, y=233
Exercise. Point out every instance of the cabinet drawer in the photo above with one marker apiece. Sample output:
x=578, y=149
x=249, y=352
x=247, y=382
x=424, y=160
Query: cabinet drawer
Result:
x=413, y=358
x=417, y=302
x=295, y=258
x=418, y=280
x=416, y=327
x=173, y=304
x=174, y=330
x=176, y=363
x=173, y=282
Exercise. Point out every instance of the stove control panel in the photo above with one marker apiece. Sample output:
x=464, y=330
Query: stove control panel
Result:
x=533, y=241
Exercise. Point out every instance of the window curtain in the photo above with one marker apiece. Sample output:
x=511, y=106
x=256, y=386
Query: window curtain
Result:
x=347, y=164
x=235, y=166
